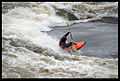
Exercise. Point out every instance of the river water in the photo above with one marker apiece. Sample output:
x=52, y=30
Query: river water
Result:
x=31, y=32
x=102, y=38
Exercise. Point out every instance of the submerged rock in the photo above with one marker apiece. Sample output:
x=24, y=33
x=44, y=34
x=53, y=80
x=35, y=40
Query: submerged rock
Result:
x=66, y=14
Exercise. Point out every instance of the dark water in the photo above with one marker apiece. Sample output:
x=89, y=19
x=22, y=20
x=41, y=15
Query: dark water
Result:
x=101, y=38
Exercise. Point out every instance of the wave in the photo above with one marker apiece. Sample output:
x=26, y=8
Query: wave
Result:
x=23, y=59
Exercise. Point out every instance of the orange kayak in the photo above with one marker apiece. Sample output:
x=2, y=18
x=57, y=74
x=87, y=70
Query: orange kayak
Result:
x=76, y=46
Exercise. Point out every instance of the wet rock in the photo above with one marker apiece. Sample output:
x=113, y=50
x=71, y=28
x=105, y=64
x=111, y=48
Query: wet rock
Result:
x=66, y=14
x=112, y=20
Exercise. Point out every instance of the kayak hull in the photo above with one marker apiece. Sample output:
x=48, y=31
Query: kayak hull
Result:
x=76, y=46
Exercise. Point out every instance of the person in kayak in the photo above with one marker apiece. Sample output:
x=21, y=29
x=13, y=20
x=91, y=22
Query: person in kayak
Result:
x=63, y=43
x=71, y=46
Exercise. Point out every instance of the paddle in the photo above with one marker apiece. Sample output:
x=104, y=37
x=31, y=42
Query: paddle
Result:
x=70, y=33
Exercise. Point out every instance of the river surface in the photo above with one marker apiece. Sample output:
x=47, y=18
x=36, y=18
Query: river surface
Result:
x=101, y=38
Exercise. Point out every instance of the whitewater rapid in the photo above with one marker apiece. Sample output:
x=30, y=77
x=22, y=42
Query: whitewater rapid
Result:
x=29, y=52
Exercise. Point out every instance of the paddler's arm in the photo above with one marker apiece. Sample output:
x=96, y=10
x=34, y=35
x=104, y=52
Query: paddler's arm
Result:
x=66, y=34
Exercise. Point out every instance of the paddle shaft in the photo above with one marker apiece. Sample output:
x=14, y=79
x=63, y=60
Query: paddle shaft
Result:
x=70, y=33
